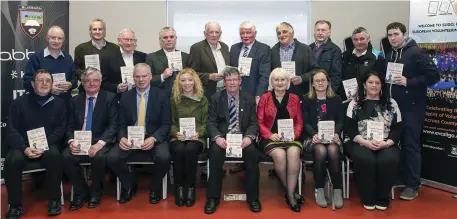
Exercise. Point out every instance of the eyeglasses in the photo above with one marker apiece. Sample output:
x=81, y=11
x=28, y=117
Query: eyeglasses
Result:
x=322, y=81
x=91, y=81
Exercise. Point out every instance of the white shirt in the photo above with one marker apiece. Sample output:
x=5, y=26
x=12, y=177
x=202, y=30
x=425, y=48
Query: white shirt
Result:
x=244, y=47
x=355, y=52
x=128, y=58
x=220, y=61
x=48, y=53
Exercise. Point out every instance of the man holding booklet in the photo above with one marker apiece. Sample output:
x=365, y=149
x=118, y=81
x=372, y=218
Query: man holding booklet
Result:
x=232, y=122
x=36, y=118
x=144, y=125
x=91, y=132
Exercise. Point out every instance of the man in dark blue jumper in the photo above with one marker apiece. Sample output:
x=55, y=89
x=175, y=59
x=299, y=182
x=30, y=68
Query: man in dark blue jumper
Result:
x=55, y=61
x=37, y=109
x=410, y=91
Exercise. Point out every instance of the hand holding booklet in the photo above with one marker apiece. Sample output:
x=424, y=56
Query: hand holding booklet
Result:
x=286, y=129
x=84, y=141
x=234, y=145
x=326, y=131
x=375, y=131
x=187, y=127
x=37, y=139
x=135, y=136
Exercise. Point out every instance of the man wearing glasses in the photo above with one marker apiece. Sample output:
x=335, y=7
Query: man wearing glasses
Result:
x=55, y=61
x=95, y=111
x=127, y=56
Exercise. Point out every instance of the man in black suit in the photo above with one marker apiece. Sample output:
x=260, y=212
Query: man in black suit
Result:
x=126, y=56
x=242, y=119
x=290, y=49
x=164, y=75
x=95, y=111
x=148, y=107
x=209, y=57
x=257, y=82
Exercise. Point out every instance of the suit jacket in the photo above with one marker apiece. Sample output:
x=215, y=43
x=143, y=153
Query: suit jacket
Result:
x=335, y=112
x=305, y=63
x=203, y=62
x=330, y=60
x=111, y=69
x=266, y=114
x=104, y=117
x=159, y=62
x=158, y=114
x=218, y=118
x=257, y=82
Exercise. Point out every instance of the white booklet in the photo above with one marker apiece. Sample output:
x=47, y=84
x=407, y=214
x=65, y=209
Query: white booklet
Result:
x=244, y=65
x=289, y=67
x=350, y=88
x=375, y=131
x=57, y=78
x=286, y=129
x=135, y=135
x=234, y=145
x=175, y=60
x=234, y=197
x=84, y=141
x=187, y=127
x=326, y=131
x=127, y=76
x=92, y=61
x=37, y=139
x=393, y=70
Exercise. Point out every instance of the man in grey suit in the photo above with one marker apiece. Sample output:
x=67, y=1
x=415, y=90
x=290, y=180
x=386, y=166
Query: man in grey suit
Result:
x=209, y=57
x=290, y=49
x=164, y=75
x=257, y=82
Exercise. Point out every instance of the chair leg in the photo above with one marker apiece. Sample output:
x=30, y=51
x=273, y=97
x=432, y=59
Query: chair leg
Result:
x=72, y=193
x=170, y=173
x=330, y=190
x=164, y=187
x=343, y=174
x=300, y=175
x=392, y=196
x=61, y=193
x=347, y=178
x=207, y=170
x=118, y=188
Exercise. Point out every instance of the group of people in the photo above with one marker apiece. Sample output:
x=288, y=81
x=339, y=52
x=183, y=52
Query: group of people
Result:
x=211, y=89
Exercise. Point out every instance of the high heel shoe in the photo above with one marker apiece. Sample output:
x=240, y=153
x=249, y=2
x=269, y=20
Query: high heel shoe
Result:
x=294, y=208
x=300, y=200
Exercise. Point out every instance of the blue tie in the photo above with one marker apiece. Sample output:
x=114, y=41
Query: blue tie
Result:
x=90, y=111
x=232, y=114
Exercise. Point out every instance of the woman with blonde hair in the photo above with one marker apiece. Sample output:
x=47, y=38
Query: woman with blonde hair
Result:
x=187, y=101
x=285, y=149
x=321, y=104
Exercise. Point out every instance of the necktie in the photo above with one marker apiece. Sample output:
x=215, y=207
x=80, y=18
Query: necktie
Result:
x=245, y=53
x=141, y=110
x=90, y=111
x=232, y=114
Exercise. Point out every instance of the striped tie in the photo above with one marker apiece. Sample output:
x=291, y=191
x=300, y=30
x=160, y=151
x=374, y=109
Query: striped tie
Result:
x=232, y=114
x=245, y=53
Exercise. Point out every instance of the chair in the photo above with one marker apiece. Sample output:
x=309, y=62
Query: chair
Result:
x=143, y=159
x=34, y=167
x=385, y=46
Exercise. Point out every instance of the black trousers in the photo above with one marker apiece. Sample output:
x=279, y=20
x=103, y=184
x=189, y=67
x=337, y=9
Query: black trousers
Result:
x=216, y=174
x=117, y=162
x=185, y=159
x=411, y=150
x=72, y=170
x=15, y=163
x=375, y=172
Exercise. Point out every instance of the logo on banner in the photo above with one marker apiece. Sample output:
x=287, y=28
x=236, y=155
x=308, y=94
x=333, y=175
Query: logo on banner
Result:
x=31, y=20
x=454, y=150
x=443, y=7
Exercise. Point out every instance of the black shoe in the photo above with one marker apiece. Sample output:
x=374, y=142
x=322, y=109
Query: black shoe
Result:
x=14, y=212
x=190, y=196
x=298, y=197
x=179, y=196
x=126, y=194
x=211, y=205
x=94, y=201
x=77, y=203
x=155, y=196
x=54, y=207
x=293, y=207
x=255, y=206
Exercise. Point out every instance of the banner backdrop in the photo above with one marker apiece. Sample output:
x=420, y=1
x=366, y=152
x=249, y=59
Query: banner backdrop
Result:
x=23, y=27
x=433, y=26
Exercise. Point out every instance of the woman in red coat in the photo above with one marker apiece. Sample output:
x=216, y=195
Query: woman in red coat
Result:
x=284, y=146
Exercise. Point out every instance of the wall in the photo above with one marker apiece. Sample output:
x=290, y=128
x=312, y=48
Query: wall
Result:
x=146, y=18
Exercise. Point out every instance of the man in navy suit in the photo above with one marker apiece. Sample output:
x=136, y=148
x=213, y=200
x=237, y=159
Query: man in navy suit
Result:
x=126, y=56
x=148, y=107
x=94, y=110
x=257, y=82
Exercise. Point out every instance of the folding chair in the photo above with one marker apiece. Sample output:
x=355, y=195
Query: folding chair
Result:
x=143, y=159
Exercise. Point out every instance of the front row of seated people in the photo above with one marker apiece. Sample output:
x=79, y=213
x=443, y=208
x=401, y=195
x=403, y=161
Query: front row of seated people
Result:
x=228, y=111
